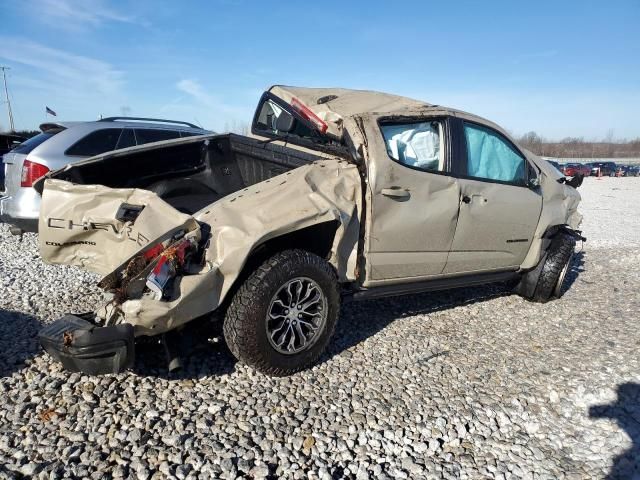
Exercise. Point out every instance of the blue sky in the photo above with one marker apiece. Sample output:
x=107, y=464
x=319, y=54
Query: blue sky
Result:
x=558, y=68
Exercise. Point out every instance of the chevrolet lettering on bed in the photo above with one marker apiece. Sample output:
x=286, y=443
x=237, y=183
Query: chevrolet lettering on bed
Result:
x=126, y=230
x=337, y=194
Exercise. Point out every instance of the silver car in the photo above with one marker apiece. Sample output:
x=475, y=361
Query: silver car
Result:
x=62, y=143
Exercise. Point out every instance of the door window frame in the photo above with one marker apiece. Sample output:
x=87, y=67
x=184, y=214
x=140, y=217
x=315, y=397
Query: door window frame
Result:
x=93, y=132
x=460, y=163
x=445, y=141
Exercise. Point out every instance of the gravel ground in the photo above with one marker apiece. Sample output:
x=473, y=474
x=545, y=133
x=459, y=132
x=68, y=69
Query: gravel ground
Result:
x=463, y=384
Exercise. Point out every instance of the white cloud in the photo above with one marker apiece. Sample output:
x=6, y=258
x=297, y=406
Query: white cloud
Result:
x=209, y=108
x=203, y=97
x=75, y=86
x=65, y=70
x=75, y=14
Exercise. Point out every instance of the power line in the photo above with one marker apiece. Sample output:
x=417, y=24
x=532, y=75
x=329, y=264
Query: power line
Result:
x=6, y=93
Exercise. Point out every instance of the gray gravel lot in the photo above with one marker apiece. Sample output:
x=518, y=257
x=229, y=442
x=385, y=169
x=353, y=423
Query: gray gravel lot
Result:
x=463, y=384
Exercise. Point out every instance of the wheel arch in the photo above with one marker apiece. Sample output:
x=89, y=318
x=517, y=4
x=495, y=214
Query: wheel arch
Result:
x=318, y=238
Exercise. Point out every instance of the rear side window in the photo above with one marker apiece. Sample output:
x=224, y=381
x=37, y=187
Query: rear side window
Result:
x=490, y=156
x=155, y=135
x=189, y=134
x=96, y=143
x=27, y=146
x=127, y=139
x=415, y=144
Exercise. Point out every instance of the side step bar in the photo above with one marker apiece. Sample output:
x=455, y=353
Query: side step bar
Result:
x=432, y=285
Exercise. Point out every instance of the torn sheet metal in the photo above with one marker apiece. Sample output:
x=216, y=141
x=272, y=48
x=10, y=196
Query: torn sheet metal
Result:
x=324, y=191
x=559, y=207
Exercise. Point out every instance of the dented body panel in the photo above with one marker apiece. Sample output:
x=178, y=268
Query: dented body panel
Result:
x=393, y=224
x=79, y=227
x=324, y=191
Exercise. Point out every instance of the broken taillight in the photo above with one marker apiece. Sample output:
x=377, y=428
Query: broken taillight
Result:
x=170, y=262
x=31, y=171
x=308, y=114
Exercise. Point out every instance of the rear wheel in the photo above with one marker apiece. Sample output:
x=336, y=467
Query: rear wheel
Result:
x=282, y=317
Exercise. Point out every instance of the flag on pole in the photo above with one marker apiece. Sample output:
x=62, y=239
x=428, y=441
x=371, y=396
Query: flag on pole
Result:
x=50, y=112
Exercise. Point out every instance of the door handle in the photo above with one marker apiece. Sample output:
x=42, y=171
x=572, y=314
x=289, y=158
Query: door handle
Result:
x=395, y=192
x=466, y=199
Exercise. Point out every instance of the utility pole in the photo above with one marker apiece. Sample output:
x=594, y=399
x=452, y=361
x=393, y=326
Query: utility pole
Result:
x=6, y=93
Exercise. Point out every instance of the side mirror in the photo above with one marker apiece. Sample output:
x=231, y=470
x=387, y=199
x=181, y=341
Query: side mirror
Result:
x=533, y=183
x=285, y=122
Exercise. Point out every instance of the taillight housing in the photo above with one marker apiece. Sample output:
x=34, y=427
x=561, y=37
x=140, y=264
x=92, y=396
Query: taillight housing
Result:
x=31, y=171
x=310, y=115
x=169, y=263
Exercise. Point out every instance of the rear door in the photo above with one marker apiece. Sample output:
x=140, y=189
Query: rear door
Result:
x=499, y=212
x=100, y=228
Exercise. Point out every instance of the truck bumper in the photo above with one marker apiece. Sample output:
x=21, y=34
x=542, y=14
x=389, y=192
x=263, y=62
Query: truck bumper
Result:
x=84, y=347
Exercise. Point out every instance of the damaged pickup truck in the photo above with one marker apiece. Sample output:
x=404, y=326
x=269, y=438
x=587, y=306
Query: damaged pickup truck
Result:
x=338, y=194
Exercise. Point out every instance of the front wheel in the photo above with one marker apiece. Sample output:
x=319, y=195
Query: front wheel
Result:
x=282, y=317
x=547, y=280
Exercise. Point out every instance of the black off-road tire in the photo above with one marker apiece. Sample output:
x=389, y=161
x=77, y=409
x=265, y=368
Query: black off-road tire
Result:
x=554, y=269
x=245, y=320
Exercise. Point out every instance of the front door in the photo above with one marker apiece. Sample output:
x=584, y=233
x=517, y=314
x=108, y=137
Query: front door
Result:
x=498, y=211
x=414, y=201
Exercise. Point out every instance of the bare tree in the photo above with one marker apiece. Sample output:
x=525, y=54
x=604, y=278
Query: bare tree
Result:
x=236, y=126
x=578, y=147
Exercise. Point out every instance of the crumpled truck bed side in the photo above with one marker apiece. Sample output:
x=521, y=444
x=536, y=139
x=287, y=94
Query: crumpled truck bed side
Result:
x=324, y=191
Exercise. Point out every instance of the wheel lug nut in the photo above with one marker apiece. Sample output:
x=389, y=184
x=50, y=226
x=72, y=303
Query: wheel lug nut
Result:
x=299, y=307
x=286, y=311
x=299, y=315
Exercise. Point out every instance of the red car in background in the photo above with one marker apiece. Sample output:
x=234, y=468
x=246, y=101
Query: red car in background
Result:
x=572, y=169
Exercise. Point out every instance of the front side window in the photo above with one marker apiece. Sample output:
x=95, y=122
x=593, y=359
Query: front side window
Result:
x=490, y=156
x=96, y=142
x=415, y=144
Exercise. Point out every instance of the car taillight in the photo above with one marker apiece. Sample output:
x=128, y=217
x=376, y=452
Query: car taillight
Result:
x=31, y=171
x=169, y=264
x=308, y=114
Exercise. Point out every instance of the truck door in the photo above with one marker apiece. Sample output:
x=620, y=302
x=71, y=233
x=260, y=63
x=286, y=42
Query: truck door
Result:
x=499, y=203
x=413, y=209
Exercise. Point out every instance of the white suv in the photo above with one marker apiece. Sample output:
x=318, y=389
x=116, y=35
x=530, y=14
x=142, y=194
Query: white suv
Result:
x=62, y=143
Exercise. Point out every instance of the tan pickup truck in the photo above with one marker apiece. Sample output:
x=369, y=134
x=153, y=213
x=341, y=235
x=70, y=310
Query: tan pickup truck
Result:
x=337, y=194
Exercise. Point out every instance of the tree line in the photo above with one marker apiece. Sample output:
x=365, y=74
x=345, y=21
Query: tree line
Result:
x=569, y=147
x=578, y=147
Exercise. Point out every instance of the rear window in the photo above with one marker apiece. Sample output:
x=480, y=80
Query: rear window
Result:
x=267, y=121
x=155, y=135
x=96, y=143
x=27, y=146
